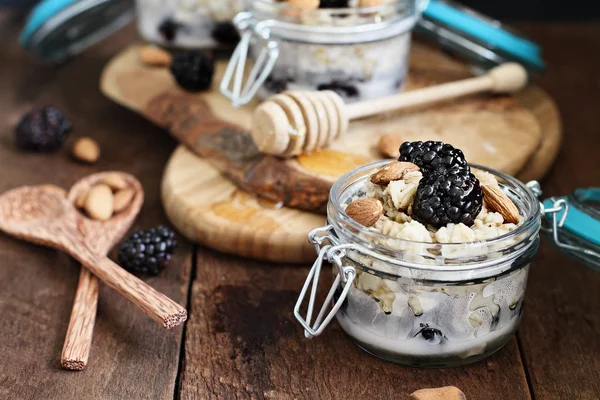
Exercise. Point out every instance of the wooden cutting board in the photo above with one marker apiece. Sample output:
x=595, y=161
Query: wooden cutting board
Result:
x=518, y=135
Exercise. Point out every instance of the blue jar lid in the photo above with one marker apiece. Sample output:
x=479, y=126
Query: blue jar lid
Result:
x=479, y=38
x=57, y=29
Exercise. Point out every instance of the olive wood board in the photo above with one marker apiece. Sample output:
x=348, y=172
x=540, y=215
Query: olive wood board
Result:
x=207, y=183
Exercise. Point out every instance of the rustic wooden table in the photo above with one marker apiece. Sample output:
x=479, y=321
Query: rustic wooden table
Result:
x=241, y=340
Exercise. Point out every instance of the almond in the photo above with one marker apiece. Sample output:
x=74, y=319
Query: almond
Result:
x=443, y=393
x=114, y=180
x=496, y=200
x=122, y=199
x=365, y=211
x=389, y=145
x=155, y=56
x=86, y=149
x=99, y=203
x=394, y=171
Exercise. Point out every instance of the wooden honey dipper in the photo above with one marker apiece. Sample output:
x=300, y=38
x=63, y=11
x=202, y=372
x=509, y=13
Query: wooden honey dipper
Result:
x=297, y=122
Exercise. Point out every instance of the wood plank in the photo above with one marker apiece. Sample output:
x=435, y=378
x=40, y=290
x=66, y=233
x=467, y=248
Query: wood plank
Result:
x=131, y=357
x=244, y=343
x=559, y=334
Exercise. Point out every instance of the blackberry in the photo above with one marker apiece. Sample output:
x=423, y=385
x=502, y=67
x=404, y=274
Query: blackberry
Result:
x=225, y=33
x=277, y=85
x=343, y=89
x=452, y=196
x=43, y=129
x=333, y=4
x=432, y=156
x=193, y=70
x=168, y=29
x=147, y=251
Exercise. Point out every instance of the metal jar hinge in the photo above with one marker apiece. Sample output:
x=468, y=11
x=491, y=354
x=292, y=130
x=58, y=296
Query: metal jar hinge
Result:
x=346, y=275
x=558, y=206
x=250, y=29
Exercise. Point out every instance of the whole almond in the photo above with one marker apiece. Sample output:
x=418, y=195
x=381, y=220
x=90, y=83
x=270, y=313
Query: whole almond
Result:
x=496, y=200
x=443, y=393
x=394, y=171
x=155, y=56
x=86, y=149
x=114, y=180
x=122, y=199
x=365, y=211
x=99, y=203
x=389, y=145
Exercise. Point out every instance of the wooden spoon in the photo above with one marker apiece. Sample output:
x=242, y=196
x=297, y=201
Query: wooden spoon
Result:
x=42, y=215
x=78, y=340
x=279, y=122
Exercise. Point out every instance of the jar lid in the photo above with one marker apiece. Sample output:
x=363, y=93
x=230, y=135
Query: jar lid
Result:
x=57, y=29
x=480, y=39
x=575, y=224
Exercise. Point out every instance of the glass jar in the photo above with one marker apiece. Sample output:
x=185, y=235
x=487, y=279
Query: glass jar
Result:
x=360, y=53
x=189, y=23
x=416, y=303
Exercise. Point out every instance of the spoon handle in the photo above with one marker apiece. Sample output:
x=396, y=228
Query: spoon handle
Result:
x=76, y=349
x=158, y=306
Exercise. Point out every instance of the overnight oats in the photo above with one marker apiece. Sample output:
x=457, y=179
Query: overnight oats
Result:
x=431, y=257
x=339, y=45
x=189, y=23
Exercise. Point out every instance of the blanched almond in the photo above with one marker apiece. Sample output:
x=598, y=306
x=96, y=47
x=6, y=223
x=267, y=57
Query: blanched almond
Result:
x=496, y=200
x=394, y=171
x=155, y=56
x=122, y=199
x=310, y=4
x=365, y=211
x=389, y=145
x=86, y=149
x=114, y=180
x=99, y=203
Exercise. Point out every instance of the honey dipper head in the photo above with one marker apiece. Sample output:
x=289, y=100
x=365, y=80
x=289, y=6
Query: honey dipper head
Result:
x=293, y=123
x=270, y=128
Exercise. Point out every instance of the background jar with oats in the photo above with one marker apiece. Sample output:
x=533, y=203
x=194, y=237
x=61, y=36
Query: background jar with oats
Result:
x=423, y=304
x=189, y=23
x=359, y=52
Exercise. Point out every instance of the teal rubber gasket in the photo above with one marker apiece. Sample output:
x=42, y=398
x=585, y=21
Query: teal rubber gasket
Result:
x=484, y=31
x=578, y=222
x=40, y=15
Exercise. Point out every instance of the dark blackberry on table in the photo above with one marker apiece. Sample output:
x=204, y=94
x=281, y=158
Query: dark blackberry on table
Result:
x=147, y=251
x=193, y=70
x=432, y=156
x=43, y=129
x=452, y=196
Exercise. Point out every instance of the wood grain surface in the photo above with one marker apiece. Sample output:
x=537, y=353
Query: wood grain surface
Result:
x=134, y=357
x=558, y=347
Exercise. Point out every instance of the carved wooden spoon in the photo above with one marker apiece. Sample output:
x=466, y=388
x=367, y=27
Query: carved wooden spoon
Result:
x=78, y=340
x=42, y=215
